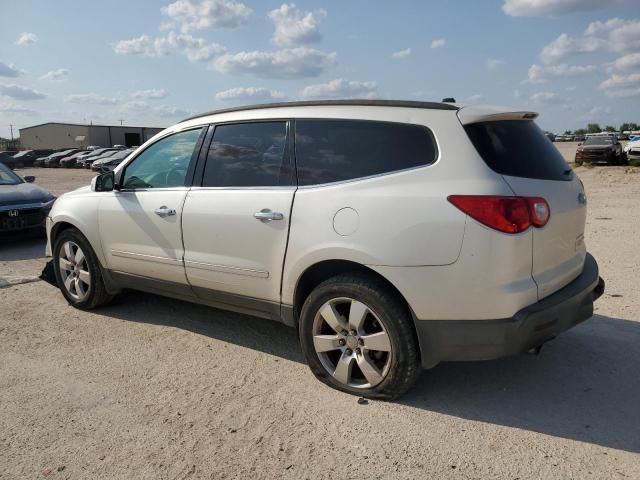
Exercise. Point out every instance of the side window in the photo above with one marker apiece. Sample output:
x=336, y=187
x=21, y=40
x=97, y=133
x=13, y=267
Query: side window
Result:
x=164, y=164
x=335, y=150
x=248, y=155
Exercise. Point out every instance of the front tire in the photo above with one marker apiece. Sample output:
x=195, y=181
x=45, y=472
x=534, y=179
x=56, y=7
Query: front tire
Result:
x=78, y=271
x=358, y=337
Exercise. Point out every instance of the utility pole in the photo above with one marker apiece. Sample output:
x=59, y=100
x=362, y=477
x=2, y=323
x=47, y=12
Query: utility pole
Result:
x=121, y=121
x=11, y=127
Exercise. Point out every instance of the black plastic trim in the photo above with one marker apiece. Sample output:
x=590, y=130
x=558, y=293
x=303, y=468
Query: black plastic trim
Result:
x=323, y=103
x=467, y=340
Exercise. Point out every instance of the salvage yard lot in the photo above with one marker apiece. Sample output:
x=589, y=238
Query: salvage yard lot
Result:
x=156, y=388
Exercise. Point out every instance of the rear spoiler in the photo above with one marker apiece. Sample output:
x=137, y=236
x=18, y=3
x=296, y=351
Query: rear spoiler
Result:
x=482, y=113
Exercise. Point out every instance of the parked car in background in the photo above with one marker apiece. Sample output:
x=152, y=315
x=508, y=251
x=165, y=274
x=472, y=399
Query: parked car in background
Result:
x=600, y=149
x=85, y=161
x=23, y=205
x=26, y=158
x=550, y=136
x=45, y=161
x=579, y=138
x=6, y=159
x=53, y=161
x=632, y=151
x=110, y=162
x=70, y=161
x=349, y=220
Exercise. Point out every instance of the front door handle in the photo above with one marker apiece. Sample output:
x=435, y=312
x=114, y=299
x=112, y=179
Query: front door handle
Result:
x=165, y=211
x=265, y=215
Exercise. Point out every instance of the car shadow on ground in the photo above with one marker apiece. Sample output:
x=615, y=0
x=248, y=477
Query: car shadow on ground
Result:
x=22, y=246
x=584, y=385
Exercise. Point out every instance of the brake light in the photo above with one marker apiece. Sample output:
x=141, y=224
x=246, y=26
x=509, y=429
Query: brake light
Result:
x=505, y=214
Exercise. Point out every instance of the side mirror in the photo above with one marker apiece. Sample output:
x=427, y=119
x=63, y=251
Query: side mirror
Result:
x=105, y=182
x=29, y=179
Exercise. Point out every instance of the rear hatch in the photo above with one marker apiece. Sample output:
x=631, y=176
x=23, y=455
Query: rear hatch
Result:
x=531, y=165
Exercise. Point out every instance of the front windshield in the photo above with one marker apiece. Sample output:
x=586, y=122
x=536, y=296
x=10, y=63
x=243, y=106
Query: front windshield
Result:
x=7, y=177
x=599, y=141
x=21, y=154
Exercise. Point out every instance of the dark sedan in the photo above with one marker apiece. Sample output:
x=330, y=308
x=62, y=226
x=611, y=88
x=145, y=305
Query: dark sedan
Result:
x=26, y=158
x=600, y=149
x=23, y=206
x=53, y=160
x=70, y=161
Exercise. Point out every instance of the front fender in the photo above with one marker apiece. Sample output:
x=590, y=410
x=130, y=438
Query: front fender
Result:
x=81, y=212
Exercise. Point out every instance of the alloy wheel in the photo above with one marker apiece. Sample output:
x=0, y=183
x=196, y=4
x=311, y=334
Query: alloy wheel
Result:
x=352, y=343
x=74, y=270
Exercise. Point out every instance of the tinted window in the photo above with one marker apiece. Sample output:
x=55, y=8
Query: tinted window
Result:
x=335, y=150
x=247, y=155
x=164, y=164
x=518, y=148
x=599, y=140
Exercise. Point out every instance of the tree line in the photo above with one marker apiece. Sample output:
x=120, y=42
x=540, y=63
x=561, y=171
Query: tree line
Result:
x=595, y=128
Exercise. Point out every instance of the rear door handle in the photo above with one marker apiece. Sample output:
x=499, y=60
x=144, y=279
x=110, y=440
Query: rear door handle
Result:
x=265, y=215
x=165, y=211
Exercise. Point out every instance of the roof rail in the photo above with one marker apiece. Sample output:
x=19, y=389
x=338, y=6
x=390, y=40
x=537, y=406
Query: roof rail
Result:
x=323, y=103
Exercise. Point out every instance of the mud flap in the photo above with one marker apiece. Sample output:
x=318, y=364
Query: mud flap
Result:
x=48, y=274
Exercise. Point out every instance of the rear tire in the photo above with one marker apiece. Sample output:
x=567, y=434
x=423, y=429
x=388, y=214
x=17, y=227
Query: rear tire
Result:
x=77, y=271
x=358, y=337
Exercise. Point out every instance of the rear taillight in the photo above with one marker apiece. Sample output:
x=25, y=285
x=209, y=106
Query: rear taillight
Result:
x=505, y=214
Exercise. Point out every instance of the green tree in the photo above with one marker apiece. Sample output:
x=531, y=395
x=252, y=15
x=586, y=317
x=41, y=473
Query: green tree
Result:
x=593, y=128
x=626, y=127
x=567, y=132
x=609, y=128
x=580, y=131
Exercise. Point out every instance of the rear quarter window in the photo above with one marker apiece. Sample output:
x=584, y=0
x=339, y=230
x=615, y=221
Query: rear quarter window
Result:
x=337, y=150
x=518, y=148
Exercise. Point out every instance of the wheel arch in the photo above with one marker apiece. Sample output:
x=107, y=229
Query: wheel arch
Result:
x=323, y=270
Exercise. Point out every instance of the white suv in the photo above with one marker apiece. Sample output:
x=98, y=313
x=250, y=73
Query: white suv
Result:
x=392, y=235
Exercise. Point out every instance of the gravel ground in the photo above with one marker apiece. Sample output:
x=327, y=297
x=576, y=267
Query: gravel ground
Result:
x=155, y=388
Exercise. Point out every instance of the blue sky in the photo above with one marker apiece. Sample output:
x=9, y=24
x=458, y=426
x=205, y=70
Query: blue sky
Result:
x=155, y=62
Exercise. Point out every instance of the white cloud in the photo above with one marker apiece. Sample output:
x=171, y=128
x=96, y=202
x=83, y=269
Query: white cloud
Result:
x=439, y=43
x=249, y=93
x=19, y=92
x=194, y=48
x=597, y=113
x=12, y=108
x=294, y=27
x=285, y=63
x=9, y=70
x=401, y=53
x=547, y=98
x=201, y=14
x=150, y=94
x=91, y=98
x=627, y=62
x=565, y=46
x=622, y=85
x=26, y=38
x=520, y=8
x=170, y=112
x=494, y=63
x=621, y=35
x=541, y=73
x=340, y=88
x=57, y=75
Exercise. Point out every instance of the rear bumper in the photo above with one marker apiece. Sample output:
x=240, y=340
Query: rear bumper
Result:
x=465, y=340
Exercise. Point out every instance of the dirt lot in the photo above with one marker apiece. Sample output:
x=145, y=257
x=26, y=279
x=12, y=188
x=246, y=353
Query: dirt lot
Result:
x=155, y=388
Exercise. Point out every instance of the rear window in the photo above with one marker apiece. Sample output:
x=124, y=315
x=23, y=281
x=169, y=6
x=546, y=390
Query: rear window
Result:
x=518, y=148
x=337, y=150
